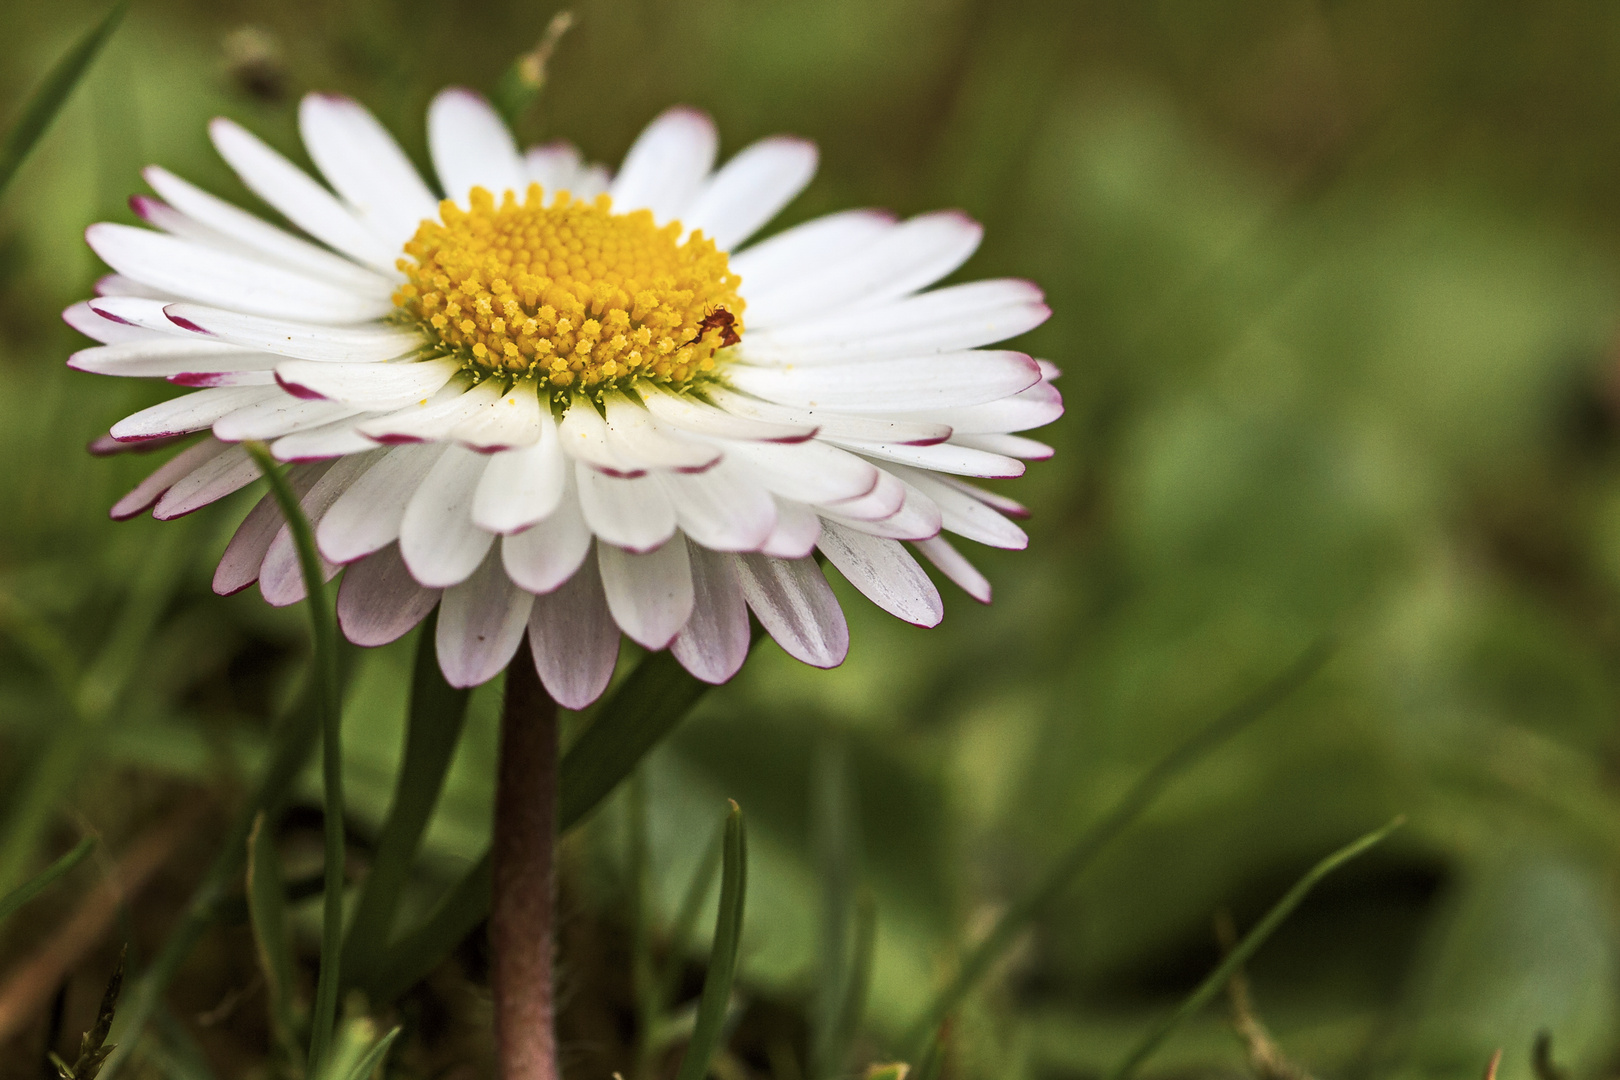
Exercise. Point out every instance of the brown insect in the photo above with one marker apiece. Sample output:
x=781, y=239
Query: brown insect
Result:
x=722, y=320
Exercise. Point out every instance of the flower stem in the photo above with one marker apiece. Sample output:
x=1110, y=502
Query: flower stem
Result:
x=522, y=922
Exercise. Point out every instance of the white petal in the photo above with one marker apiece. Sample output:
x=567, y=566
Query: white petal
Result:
x=1032, y=408
x=365, y=165
x=165, y=476
x=835, y=425
x=119, y=285
x=574, y=639
x=379, y=601
x=300, y=199
x=699, y=418
x=804, y=249
x=750, y=189
x=632, y=437
x=544, y=556
x=190, y=412
x=259, y=235
x=723, y=509
x=241, y=283
x=1015, y=446
x=666, y=166
x=795, y=606
x=953, y=565
x=946, y=458
x=812, y=472
x=367, y=516
x=481, y=624
x=797, y=529
x=959, y=317
x=281, y=577
x=583, y=436
x=437, y=537
x=471, y=147
x=510, y=420
x=632, y=512
x=993, y=499
x=303, y=341
x=1049, y=371
x=432, y=419
x=553, y=166
x=277, y=416
x=327, y=441
x=93, y=324
x=213, y=480
x=144, y=317
x=887, y=496
x=160, y=215
x=884, y=572
x=943, y=380
x=153, y=355
x=650, y=595
x=521, y=487
x=366, y=386
x=963, y=514
x=239, y=565
x=714, y=642
x=908, y=257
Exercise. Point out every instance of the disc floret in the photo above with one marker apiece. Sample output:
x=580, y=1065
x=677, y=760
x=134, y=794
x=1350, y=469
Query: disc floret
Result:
x=571, y=294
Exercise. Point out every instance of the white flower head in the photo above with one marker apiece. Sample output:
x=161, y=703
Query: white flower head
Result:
x=567, y=402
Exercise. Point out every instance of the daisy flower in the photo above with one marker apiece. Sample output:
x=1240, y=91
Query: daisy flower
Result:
x=567, y=402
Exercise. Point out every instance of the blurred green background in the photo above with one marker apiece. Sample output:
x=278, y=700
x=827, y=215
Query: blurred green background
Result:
x=1335, y=289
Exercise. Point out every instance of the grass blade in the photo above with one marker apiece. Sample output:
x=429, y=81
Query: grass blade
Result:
x=1078, y=857
x=52, y=94
x=728, y=922
x=655, y=697
x=267, y=910
x=323, y=629
x=437, y=714
x=453, y=918
x=294, y=741
x=1246, y=948
x=44, y=879
x=836, y=839
x=691, y=909
x=368, y=1064
x=853, y=993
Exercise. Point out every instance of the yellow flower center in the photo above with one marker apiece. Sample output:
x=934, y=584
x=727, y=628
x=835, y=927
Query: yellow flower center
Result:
x=572, y=293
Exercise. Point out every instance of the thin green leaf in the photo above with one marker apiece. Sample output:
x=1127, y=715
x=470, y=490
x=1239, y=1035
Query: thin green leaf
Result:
x=655, y=697
x=728, y=922
x=894, y=1070
x=1091, y=844
x=52, y=94
x=323, y=629
x=856, y=987
x=1217, y=979
x=836, y=841
x=374, y=1056
x=437, y=714
x=44, y=879
x=644, y=979
x=294, y=740
x=690, y=911
x=267, y=909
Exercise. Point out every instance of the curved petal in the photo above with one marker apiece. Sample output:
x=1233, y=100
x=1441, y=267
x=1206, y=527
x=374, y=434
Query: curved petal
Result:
x=751, y=189
x=379, y=602
x=542, y=557
x=367, y=516
x=884, y=572
x=362, y=161
x=239, y=565
x=574, y=639
x=632, y=512
x=168, y=474
x=650, y=595
x=299, y=340
x=714, y=642
x=950, y=562
x=481, y=624
x=795, y=605
x=523, y=486
x=437, y=536
x=471, y=146
x=666, y=166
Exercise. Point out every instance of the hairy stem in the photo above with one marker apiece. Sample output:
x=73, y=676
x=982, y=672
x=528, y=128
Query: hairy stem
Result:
x=522, y=922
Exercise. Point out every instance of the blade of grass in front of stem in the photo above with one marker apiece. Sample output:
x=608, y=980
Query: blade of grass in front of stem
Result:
x=1217, y=979
x=653, y=698
x=438, y=711
x=711, y=1015
x=267, y=911
x=1127, y=810
x=43, y=880
x=368, y=1064
x=293, y=743
x=323, y=630
x=58, y=85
